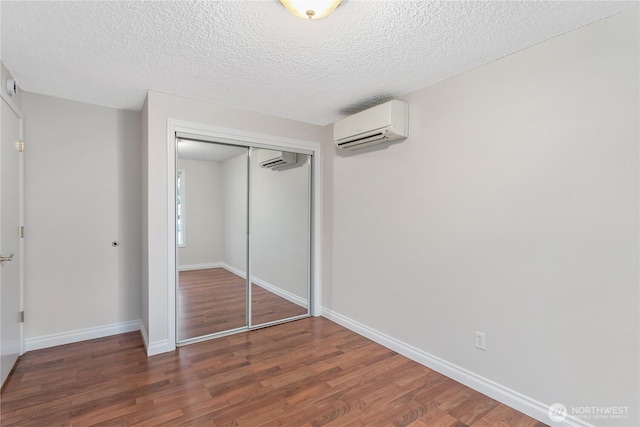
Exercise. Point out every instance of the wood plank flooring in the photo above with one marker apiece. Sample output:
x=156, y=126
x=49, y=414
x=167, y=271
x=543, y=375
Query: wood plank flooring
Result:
x=214, y=300
x=309, y=373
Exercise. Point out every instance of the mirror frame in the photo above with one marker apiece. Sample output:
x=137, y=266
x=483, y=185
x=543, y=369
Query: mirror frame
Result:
x=206, y=133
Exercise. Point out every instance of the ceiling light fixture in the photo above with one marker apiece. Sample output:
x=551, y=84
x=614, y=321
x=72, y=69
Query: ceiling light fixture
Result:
x=311, y=9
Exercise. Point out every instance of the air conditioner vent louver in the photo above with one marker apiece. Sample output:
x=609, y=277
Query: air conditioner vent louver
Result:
x=377, y=137
x=383, y=123
x=283, y=159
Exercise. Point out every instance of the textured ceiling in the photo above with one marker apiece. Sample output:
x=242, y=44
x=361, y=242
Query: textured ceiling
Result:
x=254, y=55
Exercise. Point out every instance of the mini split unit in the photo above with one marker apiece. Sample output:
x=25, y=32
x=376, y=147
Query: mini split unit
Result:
x=281, y=160
x=383, y=123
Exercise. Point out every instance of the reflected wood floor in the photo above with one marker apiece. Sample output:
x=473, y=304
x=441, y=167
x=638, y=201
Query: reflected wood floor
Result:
x=214, y=300
x=311, y=372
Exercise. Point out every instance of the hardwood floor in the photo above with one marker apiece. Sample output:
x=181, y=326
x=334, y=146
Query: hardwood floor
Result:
x=310, y=372
x=214, y=300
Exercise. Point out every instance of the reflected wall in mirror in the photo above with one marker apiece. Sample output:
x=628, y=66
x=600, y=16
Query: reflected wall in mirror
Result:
x=212, y=238
x=279, y=230
x=218, y=187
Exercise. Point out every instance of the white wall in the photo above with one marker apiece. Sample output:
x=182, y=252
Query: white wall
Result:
x=234, y=201
x=204, y=226
x=511, y=209
x=161, y=107
x=82, y=189
x=280, y=225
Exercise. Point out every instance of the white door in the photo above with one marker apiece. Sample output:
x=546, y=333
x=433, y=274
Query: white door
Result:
x=10, y=248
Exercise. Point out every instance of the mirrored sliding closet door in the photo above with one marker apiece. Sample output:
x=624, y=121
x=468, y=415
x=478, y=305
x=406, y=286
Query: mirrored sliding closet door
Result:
x=242, y=237
x=211, y=207
x=280, y=227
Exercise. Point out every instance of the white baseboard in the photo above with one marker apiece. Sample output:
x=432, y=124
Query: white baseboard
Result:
x=234, y=270
x=505, y=395
x=78, y=335
x=144, y=335
x=302, y=302
x=158, y=347
x=205, y=266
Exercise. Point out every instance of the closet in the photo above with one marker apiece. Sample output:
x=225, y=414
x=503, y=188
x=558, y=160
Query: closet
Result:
x=243, y=239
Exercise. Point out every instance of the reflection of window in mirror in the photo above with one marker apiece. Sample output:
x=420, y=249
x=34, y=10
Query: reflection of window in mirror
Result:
x=180, y=209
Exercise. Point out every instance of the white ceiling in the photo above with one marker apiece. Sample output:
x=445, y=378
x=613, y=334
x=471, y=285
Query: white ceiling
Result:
x=254, y=55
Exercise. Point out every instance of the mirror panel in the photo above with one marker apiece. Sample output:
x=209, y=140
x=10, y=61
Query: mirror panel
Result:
x=212, y=194
x=241, y=213
x=279, y=235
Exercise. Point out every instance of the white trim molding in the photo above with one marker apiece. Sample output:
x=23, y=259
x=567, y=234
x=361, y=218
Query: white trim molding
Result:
x=154, y=348
x=78, y=335
x=12, y=105
x=518, y=401
x=144, y=335
x=204, y=266
x=159, y=347
x=263, y=140
x=291, y=297
x=234, y=270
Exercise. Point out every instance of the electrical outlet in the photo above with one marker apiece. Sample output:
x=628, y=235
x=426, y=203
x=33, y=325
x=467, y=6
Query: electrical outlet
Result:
x=481, y=340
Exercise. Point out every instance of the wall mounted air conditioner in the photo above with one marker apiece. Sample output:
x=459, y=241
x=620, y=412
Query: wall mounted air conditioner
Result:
x=383, y=123
x=282, y=159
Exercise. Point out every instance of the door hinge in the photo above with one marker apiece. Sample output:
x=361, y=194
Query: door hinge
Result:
x=21, y=231
x=20, y=145
x=21, y=317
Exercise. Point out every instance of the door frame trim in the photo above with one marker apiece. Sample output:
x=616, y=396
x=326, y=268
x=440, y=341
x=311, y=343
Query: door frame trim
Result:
x=260, y=140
